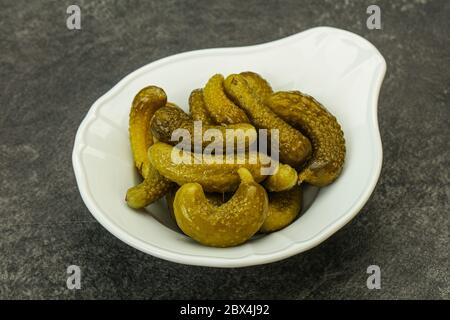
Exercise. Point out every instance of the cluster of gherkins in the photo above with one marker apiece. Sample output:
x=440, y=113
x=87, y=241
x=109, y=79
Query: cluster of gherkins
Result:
x=222, y=203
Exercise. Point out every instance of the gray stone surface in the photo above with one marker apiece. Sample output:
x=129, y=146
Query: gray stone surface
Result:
x=50, y=76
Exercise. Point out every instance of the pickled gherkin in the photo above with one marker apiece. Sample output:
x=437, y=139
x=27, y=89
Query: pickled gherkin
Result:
x=211, y=175
x=154, y=186
x=144, y=105
x=229, y=224
x=285, y=178
x=171, y=118
x=294, y=147
x=197, y=108
x=221, y=109
x=151, y=189
x=321, y=127
x=284, y=207
x=258, y=84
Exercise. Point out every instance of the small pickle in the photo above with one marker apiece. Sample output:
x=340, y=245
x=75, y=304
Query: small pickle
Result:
x=258, y=84
x=228, y=225
x=144, y=105
x=197, y=108
x=319, y=125
x=294, y=147
x=221, y=109
x=170, y=118
x=154, y=186
x=214, y=198
x=285, y=178
x=151, y=189
x=284, y=207
x=213, y=173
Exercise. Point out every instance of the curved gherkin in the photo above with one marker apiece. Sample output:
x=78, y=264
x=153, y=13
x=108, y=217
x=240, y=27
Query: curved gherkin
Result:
x=294, y=147
x=321, y=127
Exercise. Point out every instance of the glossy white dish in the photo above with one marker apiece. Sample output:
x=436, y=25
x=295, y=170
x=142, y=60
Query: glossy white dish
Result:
x=340, y=69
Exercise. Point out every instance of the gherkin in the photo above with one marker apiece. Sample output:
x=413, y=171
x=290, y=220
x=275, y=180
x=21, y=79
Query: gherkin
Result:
x=229, y=224
x=143, y=107
x=321, y=127
x=285, y=178
x=258, y=84
x=284, y=207
x=294, y=147
x=197, y=108
x=221, y=109
x=170, y=118
x=154, y=186
x=213, y=173
x=214, y=198
x=151, y=189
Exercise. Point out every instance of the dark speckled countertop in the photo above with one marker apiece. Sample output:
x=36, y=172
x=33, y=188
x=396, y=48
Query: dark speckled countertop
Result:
x=50, y=76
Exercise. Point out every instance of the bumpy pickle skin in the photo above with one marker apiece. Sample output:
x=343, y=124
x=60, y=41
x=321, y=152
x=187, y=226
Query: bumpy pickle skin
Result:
x=219, y=106
x=258, y=84
x=151, y=189
x=154, y=186
x=197, y=108
x=211, y=175
x=321, y=127
x=285, y=179
x=294, y=147
x=144, y=105
x=284, y=207
x=170, y=118
x=227, y=225
x=214, y=198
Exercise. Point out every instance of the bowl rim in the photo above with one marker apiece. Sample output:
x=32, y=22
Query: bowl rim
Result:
x=251, y=258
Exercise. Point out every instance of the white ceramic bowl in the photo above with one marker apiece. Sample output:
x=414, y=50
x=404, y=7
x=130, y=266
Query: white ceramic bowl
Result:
x=340, y=69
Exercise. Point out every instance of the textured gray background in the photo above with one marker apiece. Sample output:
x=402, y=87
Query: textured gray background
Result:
x=50, y=76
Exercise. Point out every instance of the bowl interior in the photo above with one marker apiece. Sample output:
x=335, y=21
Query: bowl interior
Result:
x=338, y=68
